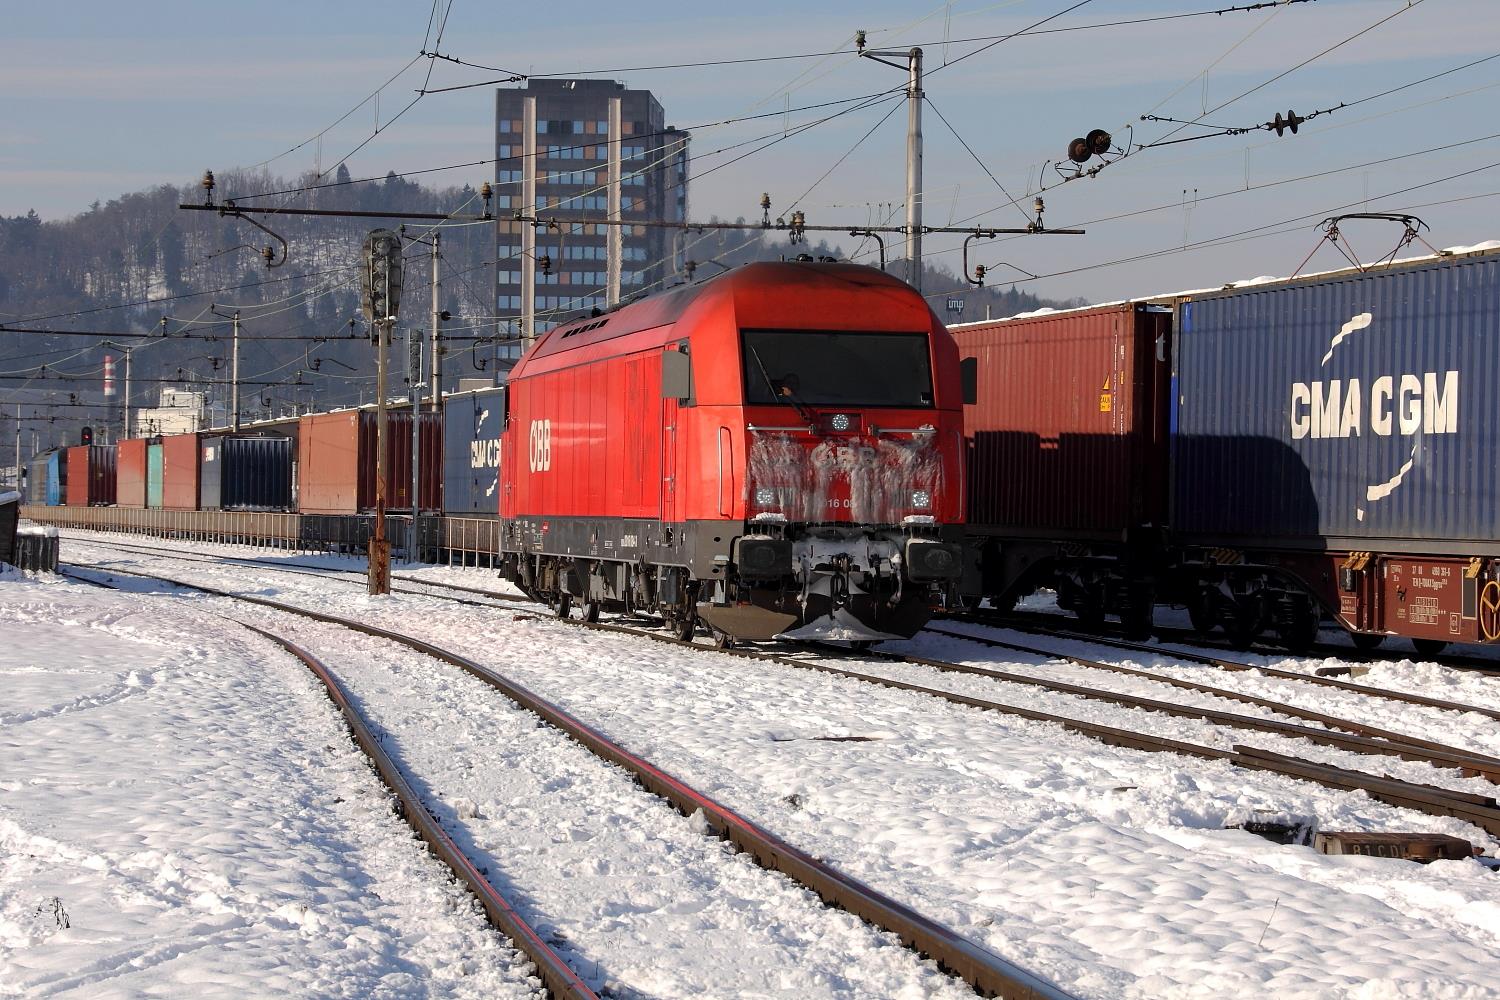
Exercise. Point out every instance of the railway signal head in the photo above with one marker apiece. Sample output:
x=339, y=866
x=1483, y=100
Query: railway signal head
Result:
x=380, y=278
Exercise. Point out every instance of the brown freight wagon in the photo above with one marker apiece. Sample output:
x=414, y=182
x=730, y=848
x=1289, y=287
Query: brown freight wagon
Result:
x=179, y=489
x=130, y=473
x=91, y=475
x=336, y=461
x=1068, y=445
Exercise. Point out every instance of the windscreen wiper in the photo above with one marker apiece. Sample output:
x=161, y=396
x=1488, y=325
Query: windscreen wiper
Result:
x=784, y=395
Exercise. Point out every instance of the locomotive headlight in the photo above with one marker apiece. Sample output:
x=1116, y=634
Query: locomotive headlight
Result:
x=765, y=496
x=921, y=499
x=839, y=422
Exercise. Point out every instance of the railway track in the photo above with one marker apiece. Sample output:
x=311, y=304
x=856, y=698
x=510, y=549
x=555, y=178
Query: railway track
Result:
x=1481, y=810
x=1033, y=627
x=307, y=569
x=1068, y=626
x=988, y=974
x=559, y=979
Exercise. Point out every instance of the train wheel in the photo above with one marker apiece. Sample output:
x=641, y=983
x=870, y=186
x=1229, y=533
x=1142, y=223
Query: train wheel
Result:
x=1365, y=641
x=1202, y=616
x=1245, y=620
x=1298, y=626
x=1429, y=647
x=681, y=626
x=1137, y=616
x=562, y=603
x=591, y=611
x=723, y=640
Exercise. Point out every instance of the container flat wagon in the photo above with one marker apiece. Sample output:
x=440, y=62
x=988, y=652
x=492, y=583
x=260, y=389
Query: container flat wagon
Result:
x=1067, y=455
x=1334, y=444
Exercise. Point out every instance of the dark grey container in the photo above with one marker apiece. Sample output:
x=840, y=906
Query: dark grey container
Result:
x=472, y=422
x=1349, y=411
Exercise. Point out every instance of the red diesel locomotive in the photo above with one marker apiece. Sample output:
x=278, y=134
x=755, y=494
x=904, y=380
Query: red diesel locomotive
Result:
x=775, y=451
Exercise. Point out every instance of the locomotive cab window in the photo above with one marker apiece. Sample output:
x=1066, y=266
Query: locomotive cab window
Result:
x=836, y=368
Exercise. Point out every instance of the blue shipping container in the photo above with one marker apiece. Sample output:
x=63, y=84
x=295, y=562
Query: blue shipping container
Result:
x=472, y=422
x=1352, y=411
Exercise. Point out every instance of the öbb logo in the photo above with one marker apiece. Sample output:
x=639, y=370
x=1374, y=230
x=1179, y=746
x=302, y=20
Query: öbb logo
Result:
x=541, y=445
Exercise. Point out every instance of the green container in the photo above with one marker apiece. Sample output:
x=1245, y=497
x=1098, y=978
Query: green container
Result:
x=153, y=475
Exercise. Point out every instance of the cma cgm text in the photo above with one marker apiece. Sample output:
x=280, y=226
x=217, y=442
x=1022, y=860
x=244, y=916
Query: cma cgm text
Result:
x=1394, y=404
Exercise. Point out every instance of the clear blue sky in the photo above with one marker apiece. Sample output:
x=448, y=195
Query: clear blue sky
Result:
x=103, y=98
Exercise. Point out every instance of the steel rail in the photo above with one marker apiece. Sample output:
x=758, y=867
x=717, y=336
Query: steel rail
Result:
x=1365, y=738
x=1481, y=811
x=303, y=569
x=1368, y=740
x=987, y=973
x=1237, y=666
x=561, y=981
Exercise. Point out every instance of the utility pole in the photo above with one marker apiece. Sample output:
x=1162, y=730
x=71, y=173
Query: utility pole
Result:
x=914, y=167
x=528, y=231
x=381, y=297
x=414, y=382
x=437, y=340
x=380, y=549
x=128, y=352
x=913, y=69
x=234, y=376
x=616, y=244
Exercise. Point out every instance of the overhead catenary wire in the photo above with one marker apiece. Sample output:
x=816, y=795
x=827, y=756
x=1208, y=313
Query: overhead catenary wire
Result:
x=1262, y=229
x=1034, y=29
x=1409, y=5
x=1232, y=192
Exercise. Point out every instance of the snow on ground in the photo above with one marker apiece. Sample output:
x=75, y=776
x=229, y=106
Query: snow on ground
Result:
x=648, y=906
x=1102, y=869
x=1472, y=730
x=185, y=816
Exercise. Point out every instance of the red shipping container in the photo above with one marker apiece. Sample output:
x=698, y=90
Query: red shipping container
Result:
x=336, y=461
x=91, y=475
x=1067, y=440
x=131, y=473
x=328, y=463
x=179, y=453
x=398, y=459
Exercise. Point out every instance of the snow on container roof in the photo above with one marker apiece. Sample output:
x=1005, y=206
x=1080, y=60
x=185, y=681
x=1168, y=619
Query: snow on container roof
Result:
x=1489, y=246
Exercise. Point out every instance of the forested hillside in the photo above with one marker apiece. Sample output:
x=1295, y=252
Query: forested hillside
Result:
x=122, y=265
